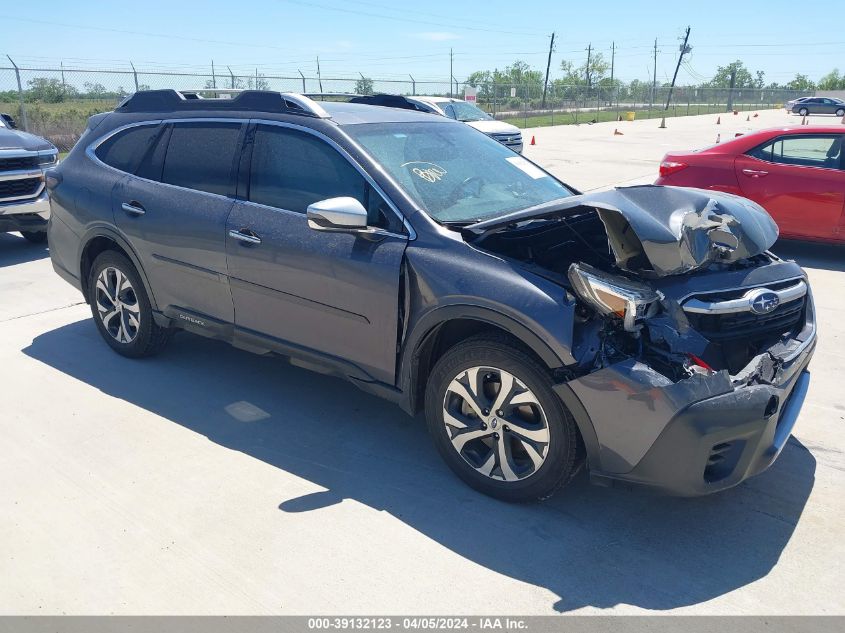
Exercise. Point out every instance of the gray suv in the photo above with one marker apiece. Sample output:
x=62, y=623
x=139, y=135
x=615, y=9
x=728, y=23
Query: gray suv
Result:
x=645, y=332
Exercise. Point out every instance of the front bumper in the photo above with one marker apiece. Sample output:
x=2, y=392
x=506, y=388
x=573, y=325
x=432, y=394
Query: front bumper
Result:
x=25, y=215
x=696, y=436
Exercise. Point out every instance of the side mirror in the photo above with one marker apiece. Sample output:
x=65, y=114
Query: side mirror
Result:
x=337, y=214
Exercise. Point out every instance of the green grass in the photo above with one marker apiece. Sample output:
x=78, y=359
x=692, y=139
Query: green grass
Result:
x=569, y=118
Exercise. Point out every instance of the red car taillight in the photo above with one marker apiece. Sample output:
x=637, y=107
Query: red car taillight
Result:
x=669, y=167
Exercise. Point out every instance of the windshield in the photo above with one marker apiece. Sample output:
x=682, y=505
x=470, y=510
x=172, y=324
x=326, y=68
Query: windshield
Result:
x=463, y=111
x=456, y=173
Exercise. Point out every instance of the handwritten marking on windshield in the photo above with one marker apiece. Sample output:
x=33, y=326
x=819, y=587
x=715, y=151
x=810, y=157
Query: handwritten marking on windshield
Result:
x=432, y=173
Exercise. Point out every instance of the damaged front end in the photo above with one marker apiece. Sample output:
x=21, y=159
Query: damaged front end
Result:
x=691, y=340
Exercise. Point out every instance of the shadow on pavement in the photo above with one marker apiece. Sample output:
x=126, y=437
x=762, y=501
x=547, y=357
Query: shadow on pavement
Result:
x=16, y=250
x=812, y=254
x=589, y=546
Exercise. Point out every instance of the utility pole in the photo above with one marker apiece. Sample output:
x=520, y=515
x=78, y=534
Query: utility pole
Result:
x=612, y=63
x=413, y=84
x=213, y=75
x=684, y=50
x=654, y=77
x=731, y=93
x=548, y=65
x=451, y=74
x=587, y=67
x=319, y=76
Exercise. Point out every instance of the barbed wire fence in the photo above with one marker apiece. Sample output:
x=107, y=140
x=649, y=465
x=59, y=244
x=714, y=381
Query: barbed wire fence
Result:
x=56, y=102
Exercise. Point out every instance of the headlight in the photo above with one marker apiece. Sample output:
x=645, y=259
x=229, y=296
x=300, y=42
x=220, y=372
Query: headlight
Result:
x=612, y=295
x=46, y=159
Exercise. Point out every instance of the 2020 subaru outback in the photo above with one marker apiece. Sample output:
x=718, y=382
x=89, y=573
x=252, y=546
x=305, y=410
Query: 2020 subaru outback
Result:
x=644, y=332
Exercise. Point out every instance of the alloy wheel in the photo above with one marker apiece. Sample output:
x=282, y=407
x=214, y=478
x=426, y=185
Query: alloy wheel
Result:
x=496, y=424
x=117, y=305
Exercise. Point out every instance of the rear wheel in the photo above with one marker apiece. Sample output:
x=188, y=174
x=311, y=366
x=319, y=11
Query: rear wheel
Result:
x=36, y=237
x=497, y=422
x=121, y=308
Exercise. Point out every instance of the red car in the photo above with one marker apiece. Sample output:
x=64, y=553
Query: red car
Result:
x=796, y=173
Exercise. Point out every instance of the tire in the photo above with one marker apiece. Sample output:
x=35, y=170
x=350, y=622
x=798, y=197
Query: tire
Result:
x=539, y=457
x=840, y=112
x=36, y=237
x=121, y=308
x=803, y=112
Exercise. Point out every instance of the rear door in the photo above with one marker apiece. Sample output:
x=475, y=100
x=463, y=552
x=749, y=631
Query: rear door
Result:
x=334, y=293
x=174, y=211
x=799, y=180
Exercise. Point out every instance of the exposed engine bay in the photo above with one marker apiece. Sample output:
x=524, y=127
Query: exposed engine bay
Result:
x=678, y=279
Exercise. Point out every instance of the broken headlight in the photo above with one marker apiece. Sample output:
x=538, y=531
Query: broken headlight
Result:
x=613, y=295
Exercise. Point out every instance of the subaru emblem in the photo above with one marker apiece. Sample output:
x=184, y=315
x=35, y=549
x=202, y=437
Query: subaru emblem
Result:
x=763, y=301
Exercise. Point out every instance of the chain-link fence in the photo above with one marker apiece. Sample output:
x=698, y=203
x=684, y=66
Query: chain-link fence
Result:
x=56, y=102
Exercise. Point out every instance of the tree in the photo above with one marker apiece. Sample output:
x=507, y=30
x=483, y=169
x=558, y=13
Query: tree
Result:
x=46, y=90
x=722, y=78
x=364, y=86
x=801, y=82
x=585, y=75
x=832, y=81
x=94, y=90
x=760, y=81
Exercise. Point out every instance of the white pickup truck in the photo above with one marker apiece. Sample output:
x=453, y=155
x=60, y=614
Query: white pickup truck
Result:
x=24, y=205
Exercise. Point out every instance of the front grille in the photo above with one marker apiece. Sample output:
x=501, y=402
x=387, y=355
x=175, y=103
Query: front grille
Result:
x=15, y=163
x=19, y=188
x=747, y=325
x=509, y=139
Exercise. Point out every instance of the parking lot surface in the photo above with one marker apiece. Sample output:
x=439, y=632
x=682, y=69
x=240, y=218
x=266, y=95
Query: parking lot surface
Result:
x=209, y=480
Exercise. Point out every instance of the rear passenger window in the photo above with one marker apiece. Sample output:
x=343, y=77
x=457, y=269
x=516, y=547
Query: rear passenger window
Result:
x=124, y=150
x=803, y=150
x=201, y=155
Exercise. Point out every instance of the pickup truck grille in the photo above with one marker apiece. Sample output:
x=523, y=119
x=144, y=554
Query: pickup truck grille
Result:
x=21, y=188
x=15, y=163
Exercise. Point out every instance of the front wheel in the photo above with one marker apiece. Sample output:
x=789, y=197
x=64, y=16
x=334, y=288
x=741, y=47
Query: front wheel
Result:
x=121, y=308
x=497, y=422
x=803, y=112
x=840, y=112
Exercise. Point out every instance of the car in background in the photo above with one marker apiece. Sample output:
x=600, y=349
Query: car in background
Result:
x=818, y=105
x=507, y=134
x=796, y=173
x=24, y=205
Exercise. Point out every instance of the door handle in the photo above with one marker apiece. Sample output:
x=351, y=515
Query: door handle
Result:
x=246, y=236
x=755, y=173
x=133, y=208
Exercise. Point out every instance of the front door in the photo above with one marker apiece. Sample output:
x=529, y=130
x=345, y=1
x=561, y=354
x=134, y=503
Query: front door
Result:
x=799, y=180
x=334, y=293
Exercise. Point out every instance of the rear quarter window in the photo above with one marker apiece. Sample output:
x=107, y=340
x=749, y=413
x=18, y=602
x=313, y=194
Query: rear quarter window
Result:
x=125, y=149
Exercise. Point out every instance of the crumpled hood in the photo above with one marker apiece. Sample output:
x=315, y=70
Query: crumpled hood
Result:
x=677, y=230
x=14, y=139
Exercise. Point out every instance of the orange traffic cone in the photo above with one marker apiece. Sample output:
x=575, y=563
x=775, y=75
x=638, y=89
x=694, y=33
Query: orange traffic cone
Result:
x=617, y=133
x=756, y=115
x=719, y=121
x=843, y=120
x=718, y=139
x=736, y=112
x=803, y=120
x=619, y=118
x=738, y=134
x=533, y=142
x=662, y=123
x=748, y=118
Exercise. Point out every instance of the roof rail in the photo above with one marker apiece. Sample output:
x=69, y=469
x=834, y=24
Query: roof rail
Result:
x=234, y=99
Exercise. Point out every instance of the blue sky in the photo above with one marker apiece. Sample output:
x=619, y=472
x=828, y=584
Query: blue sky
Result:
x=386, y=40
